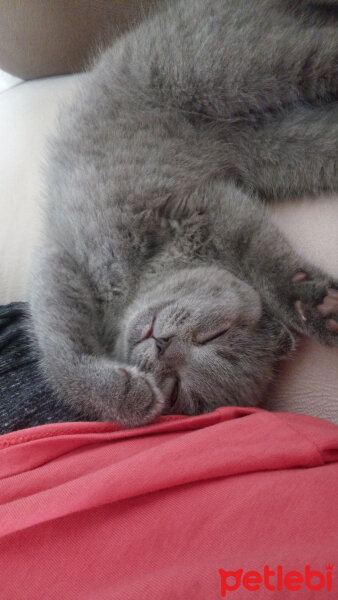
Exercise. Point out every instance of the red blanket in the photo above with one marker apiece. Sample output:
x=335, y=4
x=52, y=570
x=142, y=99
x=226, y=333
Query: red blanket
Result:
x=239, y=503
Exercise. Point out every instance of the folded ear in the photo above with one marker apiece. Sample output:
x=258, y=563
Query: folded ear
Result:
x=286, y=343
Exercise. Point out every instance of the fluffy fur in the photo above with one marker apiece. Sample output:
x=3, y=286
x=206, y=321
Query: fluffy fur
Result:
x=161, y=285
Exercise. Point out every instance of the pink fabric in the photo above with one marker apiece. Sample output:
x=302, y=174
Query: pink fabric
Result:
x=93, y=512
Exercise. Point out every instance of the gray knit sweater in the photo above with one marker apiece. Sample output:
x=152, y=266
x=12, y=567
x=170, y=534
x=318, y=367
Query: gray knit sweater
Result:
x=25, y=399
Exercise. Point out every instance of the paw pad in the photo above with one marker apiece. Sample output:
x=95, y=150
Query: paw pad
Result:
x=299, y=276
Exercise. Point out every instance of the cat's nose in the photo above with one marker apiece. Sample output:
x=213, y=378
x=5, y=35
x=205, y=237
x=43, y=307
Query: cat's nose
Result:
x=162, y=344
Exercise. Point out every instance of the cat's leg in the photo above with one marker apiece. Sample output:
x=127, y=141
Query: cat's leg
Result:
x=233, y=60
x=275, y=54
x=289, y=156
x=71, y=317
x=301, y=295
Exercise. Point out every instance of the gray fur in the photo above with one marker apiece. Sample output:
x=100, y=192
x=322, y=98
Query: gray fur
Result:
x=154, y=213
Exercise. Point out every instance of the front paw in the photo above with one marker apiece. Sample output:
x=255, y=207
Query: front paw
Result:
x=316, y=306
x=139, y=400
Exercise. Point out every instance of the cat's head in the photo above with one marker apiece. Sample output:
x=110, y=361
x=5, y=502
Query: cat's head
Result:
x=206, y=337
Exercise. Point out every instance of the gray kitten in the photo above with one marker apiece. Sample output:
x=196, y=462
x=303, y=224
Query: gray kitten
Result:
x=161, y=285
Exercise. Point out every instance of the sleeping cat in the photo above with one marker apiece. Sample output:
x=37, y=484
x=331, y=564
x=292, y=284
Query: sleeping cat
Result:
x=161, y=286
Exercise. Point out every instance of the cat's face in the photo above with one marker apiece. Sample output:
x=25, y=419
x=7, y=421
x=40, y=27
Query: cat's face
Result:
x=205, y=337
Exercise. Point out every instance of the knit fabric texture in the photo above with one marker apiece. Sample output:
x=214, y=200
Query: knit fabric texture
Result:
x=25, y=398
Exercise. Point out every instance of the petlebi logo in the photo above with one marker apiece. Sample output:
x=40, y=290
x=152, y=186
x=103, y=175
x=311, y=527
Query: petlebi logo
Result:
x=276, y=579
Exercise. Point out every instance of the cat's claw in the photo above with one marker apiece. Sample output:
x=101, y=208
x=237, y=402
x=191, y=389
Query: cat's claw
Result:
x=300, y=310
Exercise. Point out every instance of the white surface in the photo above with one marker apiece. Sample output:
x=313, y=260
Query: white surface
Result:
x=27, y=113
x=312, y=228
x=7, y=81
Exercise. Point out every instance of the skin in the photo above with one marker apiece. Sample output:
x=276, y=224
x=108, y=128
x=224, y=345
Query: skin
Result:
x=161, y=286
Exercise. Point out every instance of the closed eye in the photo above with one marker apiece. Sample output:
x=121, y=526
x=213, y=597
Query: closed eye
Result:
x=213, y=337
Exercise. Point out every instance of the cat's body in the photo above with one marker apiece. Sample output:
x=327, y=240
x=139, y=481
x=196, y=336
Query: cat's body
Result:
x=161, y=285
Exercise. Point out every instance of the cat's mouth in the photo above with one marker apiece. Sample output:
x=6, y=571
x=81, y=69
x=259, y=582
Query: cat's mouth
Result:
x=171, y=390
x=171, y=385
x=174, y=394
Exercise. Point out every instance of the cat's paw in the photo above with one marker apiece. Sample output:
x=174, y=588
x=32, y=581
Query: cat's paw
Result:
x=316, y=306
x=140, y=400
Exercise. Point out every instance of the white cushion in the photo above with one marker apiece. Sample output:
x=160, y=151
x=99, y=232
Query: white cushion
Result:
x=27, y=113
